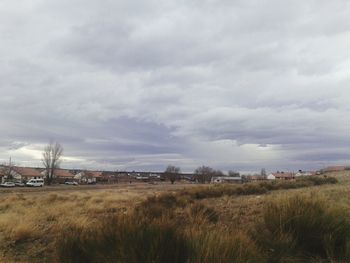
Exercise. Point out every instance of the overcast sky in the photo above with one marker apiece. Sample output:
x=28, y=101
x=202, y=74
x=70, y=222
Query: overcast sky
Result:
x=137, y=85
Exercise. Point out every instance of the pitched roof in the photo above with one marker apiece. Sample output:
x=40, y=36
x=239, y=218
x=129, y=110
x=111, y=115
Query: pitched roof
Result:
x=63, y=173
x=27, y=171
x=255, y=177
x=283, y=175
x=95, y=173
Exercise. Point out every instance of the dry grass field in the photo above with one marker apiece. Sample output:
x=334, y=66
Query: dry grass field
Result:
x=219, y=223
x=31, y=219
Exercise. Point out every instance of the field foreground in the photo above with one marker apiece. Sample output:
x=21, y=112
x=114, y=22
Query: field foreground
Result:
x=291, y=222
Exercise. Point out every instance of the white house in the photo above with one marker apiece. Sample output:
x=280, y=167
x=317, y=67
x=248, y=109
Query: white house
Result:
x=281, y=176
x=304, y=173
x=23, y=174
x=271, y=177
x=88, y=176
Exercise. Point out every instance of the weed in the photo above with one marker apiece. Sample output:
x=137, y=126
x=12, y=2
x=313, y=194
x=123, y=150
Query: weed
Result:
x=124, y=240
x=304, y=227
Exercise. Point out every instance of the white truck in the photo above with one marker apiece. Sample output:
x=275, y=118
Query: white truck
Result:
x=35, y=182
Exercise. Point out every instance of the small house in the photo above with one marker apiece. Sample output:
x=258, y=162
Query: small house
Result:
x=271, y=177
x=24, y=174
x=255, y=178
x=89, y=177
x=60, y=176
x=304, y=173
x=284, y=176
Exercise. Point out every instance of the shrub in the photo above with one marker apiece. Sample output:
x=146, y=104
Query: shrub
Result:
x=221, y=190
x=317, y=180
x=269, y=185
x=223, y=247
x=255, y=188
x=124, y=240
x=23, y=232
x=249, y=189
x=208, y=192
x=198, y=213
x=303, y=227
x=157, y=206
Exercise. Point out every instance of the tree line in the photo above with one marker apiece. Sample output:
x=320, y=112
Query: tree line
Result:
x=202, y=174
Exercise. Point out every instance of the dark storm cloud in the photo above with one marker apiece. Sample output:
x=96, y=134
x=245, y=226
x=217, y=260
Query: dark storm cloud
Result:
x=126, y=85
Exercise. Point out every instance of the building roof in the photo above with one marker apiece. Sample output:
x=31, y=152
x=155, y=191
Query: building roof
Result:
x=94, y=174
x=255, y=177
x=27, y=171
x=63, y=173
x=283, y=175
x=97, y=174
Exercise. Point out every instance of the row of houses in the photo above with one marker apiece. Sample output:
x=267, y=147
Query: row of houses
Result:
x=291, y=176
x=272, y=176
x=24, y=174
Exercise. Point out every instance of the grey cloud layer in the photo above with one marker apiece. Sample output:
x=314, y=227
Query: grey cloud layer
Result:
x=126, y=85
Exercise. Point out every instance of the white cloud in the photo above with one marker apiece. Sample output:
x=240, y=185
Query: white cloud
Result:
x=137, y=86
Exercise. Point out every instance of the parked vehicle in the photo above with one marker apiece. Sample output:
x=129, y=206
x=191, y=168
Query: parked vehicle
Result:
x=35, y=183
x=7, y=184
x=71, y=183
x=20, y=184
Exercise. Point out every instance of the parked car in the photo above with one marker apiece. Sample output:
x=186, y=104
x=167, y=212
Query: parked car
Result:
x=20, y=184
x=7, y=184
x=71, y=183
x=35, y=183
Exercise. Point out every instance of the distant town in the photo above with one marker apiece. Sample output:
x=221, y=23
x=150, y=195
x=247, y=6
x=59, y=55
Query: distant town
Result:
x=21, y=175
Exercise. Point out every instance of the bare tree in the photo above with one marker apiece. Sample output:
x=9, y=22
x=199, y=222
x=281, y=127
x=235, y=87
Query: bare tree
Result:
x=172, y=173
x=7, y=170
x=204, y=174
x=51, y=160
x=233, y=173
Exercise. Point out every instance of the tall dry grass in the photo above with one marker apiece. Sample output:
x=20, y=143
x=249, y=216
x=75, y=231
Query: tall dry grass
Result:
x=216, y=191
x=123, y=239
x=175, y=227
x=30, y=223
x=135, y=239
x=304, y=228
